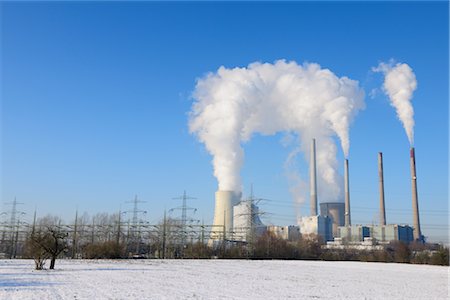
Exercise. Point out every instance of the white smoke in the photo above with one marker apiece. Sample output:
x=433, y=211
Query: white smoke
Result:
x=233, y=104
x=297, y=186
x=399, y=84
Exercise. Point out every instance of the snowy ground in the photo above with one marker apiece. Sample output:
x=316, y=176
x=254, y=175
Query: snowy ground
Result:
x=221, y=279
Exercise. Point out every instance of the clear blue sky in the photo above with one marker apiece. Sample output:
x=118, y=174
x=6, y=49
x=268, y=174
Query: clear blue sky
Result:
x=95, y=99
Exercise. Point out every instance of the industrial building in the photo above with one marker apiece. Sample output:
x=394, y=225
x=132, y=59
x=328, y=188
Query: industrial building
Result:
x=316, y=225
x=392, y=232
x=379, y=233
x=335, y=211
x=290, y=233
x=354, y=233
x=367, y=244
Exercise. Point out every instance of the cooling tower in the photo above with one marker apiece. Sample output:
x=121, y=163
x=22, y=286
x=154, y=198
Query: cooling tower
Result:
x=223, y=212
x=347, y=195
x=381, y=186
x=415, y=202
x=312, y=179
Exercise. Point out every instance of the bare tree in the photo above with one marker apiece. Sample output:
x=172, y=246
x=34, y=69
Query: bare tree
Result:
x=48, y=241
x=34, y=250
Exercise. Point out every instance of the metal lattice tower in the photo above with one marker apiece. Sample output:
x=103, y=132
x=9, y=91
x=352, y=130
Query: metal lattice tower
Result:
x=252, y=216
x=184, y=218
x=135, y=221
x=13, y=226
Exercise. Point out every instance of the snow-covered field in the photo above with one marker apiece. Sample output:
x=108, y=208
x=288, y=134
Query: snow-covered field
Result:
x=221, y=279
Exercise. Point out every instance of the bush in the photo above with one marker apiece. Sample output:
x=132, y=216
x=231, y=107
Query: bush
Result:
x=34, y=250
x=109, y=250
x=401, y=252
x=273, y=247
x=440, y=257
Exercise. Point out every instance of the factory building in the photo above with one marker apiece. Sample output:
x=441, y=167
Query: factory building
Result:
x=290, y=233
x=378, y=233
x=354, y=233
x=392, y=232
x=316, y=225
x=367, y=244
x=335, y=212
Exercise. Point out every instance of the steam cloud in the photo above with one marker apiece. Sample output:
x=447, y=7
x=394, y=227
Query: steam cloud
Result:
x=233, y=104
x=399, y=84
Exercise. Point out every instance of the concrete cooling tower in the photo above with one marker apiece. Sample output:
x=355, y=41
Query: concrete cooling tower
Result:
x=223, y=213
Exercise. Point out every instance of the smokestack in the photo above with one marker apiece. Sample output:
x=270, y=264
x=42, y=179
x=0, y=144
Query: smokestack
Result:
x=223, y=213
x=312, y=179
x=415, y=202
x=381, y=184
x=347, y=195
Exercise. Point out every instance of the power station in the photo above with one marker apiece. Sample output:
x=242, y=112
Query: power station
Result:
x=236, y=219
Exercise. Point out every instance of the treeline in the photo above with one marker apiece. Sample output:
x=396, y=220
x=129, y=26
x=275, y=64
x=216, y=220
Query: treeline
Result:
x=269, y=246
x=106, y=237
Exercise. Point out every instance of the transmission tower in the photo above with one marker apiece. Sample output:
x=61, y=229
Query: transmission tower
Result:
x=13, y=226
x=252, y=218
x=184, y=218
x=136, y=222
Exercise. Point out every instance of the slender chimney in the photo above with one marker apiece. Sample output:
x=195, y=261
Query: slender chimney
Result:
x=347, y=195
x=312, y=179
x=415, y=202
x=381, y=179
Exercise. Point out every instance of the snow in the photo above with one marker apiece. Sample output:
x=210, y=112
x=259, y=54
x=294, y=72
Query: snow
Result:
x=221, y=279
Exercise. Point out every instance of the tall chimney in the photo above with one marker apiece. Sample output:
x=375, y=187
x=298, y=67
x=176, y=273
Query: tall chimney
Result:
x=347, y=195
x=381, y=184
x=415, y=202
x=312, y=179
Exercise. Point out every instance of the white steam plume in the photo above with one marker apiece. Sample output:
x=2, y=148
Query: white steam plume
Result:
x=233, y=104
x=399, y=84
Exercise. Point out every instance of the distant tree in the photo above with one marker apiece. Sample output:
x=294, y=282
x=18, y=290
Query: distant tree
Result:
x=198, y=250
x=401, y=252
x=108, y=249
x=422, y=257
x=270, y=246
x=309, y=246
x=440, y=257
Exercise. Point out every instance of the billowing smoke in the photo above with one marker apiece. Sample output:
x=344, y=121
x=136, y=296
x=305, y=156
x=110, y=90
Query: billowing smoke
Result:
x=399, y=84
x=233, y=104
